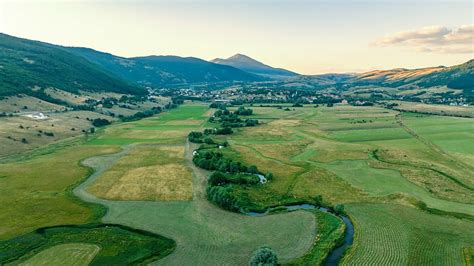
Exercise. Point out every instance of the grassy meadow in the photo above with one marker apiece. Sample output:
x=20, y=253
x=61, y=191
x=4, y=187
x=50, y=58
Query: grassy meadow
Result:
x=367, y=155
x=382, y=165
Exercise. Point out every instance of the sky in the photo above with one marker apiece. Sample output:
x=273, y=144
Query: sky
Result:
x=309, y=37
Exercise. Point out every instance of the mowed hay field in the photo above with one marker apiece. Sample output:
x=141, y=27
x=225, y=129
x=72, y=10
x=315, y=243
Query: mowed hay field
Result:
x=388, y=234
x=147, y=172
x=354, y=155
x=74, y=254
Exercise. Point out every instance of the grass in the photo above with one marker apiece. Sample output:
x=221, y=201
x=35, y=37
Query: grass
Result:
x=76, y=254
x=146, y=173
x=389, y=234
x=311, y=151
x=383, y=182
x=328, y=152
x=37, y=192
x=204, y=233
x=330, y=232
x=62, y=125
x=438, y=109
x=112, y=245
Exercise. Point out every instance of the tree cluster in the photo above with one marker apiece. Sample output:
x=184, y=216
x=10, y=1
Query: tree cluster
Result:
x=210, y=160
x=243, y=111
x=100, y=122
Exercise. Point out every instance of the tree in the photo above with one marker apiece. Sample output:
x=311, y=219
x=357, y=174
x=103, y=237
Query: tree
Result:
x=208, y=141
x=217, y=178
x=253, y=169
x=99, y=122
x=269, y=176
x=264, y=256
x=318, y=200
x=339, y=209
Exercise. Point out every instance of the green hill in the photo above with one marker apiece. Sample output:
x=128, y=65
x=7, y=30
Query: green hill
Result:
x=164, y=70
x=29, y=66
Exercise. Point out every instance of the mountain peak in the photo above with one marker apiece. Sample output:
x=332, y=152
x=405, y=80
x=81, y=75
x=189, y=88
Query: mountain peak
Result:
x=251, y=65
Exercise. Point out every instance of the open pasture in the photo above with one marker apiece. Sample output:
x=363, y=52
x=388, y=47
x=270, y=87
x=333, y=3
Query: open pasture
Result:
x=388, y=234
x=147, y=172
x=37, y=192
x=167, y=128
x=74, y=254
x=326, y=141
x=330, y=152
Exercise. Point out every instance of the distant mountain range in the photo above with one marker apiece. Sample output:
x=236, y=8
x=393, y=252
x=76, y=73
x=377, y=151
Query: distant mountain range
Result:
x=164, y=70
x=28, y=66
x=251, y=65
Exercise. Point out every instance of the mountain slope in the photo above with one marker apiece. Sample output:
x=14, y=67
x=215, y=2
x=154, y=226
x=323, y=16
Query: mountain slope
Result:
x=29, y=66
x=251, y=65
x=458, y=77
x=164, y=70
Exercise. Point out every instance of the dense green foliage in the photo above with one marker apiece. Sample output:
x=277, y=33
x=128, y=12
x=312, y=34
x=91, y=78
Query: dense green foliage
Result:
x=243, y=111
x=264, y=256
x=26, y=65
x=100, y=122
x=119, y=244
x=230, y=119
x=211, y=160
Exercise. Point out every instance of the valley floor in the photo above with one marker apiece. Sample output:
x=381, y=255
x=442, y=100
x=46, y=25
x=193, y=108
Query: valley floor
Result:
x=406, y=181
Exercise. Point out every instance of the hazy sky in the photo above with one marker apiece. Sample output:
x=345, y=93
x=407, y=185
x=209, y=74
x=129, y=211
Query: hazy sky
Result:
x=305, y=36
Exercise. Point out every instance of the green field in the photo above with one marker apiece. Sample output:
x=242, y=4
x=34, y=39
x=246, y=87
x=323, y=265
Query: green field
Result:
x=389, y=234
x=381, y=165
x=99, y=243
x=360, y=155
x=76, y=254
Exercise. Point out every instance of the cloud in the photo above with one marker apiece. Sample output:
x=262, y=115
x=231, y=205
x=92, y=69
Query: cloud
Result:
x=437, y=39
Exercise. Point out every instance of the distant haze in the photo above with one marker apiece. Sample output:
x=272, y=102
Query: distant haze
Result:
x=307, y=37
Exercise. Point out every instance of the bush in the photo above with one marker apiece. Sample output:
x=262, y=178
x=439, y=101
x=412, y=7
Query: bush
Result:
x=217, y=178
x=264, y=256
x=49, y=134
x=243, y=111
x=224, y=131
x=269, y=176
x=339, y=209
x=251, y=122
x=100, y=122
x=222, y=196
x=195, y=137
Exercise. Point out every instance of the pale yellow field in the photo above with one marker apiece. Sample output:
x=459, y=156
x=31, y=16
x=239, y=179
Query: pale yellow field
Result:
x=147, y=173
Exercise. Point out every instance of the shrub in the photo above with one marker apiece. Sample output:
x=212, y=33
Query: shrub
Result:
x=339, y=209
x=222, y=196
x=195, y=137
x=100, y=122
x=224, y=131
x=264, y=256
x=243, y=111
